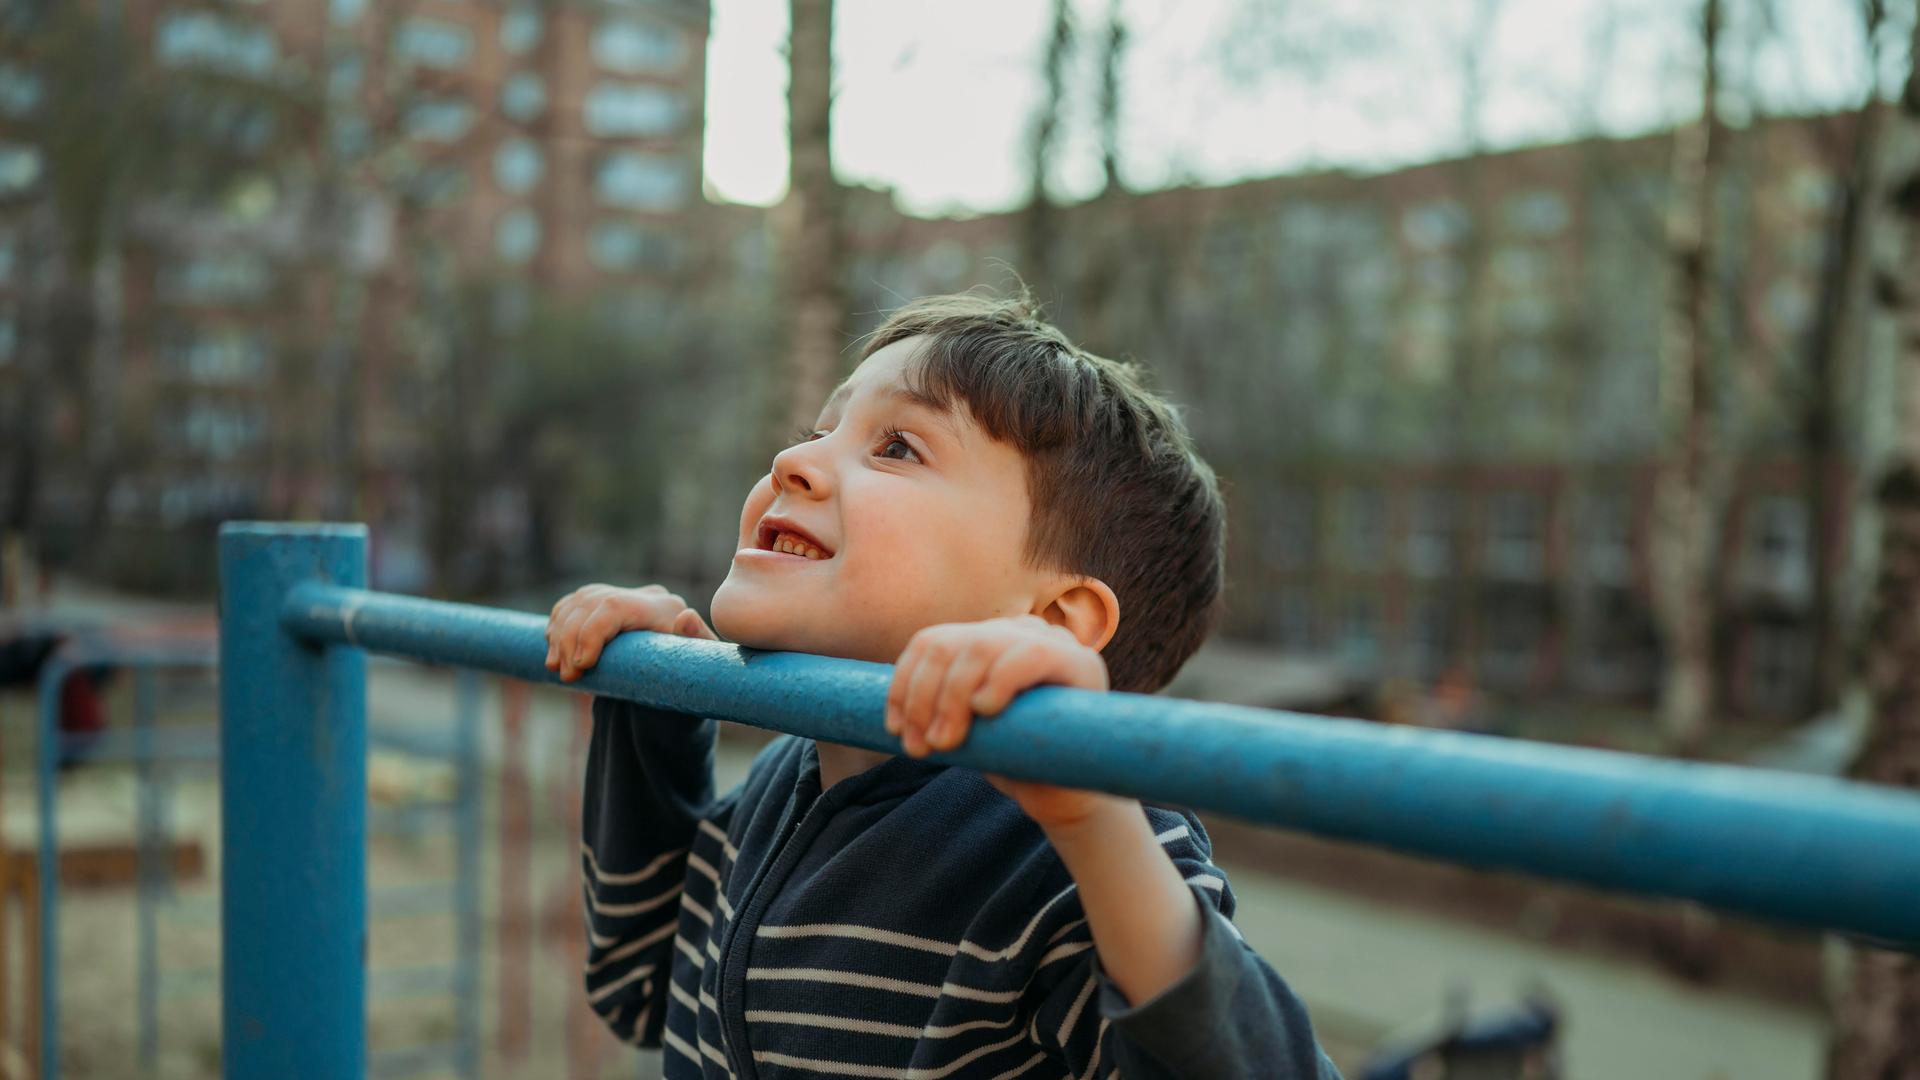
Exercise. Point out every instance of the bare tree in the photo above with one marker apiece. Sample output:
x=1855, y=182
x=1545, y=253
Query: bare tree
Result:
x=1874, y=1032
x=1038, y=227
x=114, y=130
x=810, y=220
x=1835, y=337
x=1695, y=471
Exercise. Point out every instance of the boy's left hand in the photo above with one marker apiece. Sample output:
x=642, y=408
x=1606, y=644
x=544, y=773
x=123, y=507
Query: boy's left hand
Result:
x=951, y=672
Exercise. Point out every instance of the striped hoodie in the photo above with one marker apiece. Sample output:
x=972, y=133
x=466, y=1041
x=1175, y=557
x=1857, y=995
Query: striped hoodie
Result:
x=911, y=922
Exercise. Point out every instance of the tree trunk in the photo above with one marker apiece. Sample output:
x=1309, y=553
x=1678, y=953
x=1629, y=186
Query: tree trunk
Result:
x=1037, y=226
x=1830, y=493
x=1692, y=478
x=810, y=220
x=1877, y=1026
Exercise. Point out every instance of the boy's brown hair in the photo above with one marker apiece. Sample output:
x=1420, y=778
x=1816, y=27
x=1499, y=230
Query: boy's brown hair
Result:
x=1118, y=492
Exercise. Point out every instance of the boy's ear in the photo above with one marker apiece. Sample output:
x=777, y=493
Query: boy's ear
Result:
x=1088, y=609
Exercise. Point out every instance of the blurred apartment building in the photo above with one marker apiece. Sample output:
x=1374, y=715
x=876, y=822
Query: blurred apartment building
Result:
x=1432, y=395
x=271, y=346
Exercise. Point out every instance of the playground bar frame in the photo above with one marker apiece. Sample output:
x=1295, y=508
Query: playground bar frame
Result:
x=296, y=621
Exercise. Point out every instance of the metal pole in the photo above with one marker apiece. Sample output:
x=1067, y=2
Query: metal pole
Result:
x=466, y=883
x=1810, y=851
x=48, y=745
x=150, y=853
x=293, y=804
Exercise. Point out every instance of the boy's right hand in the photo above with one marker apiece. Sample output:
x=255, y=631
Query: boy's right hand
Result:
x=584, y=620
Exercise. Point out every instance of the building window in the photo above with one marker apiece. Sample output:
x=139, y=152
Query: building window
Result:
x=520, y=29
x=204, y=39
x=352, y=135
x=432, y=43
x=442, y=120
x=621, y=247
x=631, y=47
x=637, y=181
x=9, y=338
x=1515, y=628
x=1779, y=667
x=1363, y=526
x=437, y=185
x=523, y=97
x=219, y=357
x=516, y=237
x=1357, y=641
x=1429, y=635
x=224, y=278
x=1606, y=538
x=1287, y=540
x=517, y=166
x=1618, y=653
x=613, y=109
x=1522, y=268
x=19, y=91
x=220, y=430
x=1430, y=537
x=19, y=167
x=1536, y=213
x=345, y=73
x=1436, y=223
x=1516, y=535
x=6, y=258
x=1777, y=543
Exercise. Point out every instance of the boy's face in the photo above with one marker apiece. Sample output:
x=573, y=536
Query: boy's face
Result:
x=916, y=517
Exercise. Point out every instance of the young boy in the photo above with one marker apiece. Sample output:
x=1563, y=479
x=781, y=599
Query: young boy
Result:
x=989, y=508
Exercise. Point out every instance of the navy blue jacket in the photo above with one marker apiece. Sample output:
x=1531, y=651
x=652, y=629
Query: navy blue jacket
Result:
x=911, y=922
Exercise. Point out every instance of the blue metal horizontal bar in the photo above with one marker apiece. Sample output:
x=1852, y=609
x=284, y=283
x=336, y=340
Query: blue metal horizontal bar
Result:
x=1805, y=850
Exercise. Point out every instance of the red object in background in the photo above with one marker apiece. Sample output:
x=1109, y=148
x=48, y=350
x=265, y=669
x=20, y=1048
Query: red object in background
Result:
x=81, y=708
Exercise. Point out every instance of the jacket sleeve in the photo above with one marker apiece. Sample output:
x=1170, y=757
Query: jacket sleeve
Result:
x=649, y=782
x=1230, y=1017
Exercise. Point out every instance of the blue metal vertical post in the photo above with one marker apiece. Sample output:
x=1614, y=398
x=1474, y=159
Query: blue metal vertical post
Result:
x=467, y=873
x=48, y=745
x=293, y=806
x=151, y=869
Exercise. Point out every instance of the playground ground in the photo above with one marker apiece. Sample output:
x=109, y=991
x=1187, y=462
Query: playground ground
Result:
x=1367, y=967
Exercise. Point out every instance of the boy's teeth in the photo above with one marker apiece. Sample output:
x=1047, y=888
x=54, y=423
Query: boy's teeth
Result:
x=792, y=546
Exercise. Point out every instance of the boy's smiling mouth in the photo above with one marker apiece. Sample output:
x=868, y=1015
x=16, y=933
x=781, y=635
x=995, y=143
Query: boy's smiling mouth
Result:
x=781, y=536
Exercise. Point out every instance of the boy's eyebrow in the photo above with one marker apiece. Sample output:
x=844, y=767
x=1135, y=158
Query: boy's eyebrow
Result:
x=906, y=395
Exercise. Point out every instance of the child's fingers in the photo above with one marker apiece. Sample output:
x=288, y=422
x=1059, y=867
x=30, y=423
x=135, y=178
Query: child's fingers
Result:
x=897, y=686
x=598, y=628
x=952, y=714
x=1017, y=669
x=689, y=624
x=922, y=685
x=566, y=637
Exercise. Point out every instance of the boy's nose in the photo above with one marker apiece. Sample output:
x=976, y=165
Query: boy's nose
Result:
x=794, y=469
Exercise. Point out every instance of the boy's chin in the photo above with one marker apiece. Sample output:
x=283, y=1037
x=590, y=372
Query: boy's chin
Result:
x=756, y=624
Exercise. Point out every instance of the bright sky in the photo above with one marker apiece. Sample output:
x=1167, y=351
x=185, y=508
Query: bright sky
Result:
x=936, y=98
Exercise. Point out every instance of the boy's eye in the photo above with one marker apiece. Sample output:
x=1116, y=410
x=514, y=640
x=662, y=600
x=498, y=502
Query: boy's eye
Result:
x=893, y=439
x=805, y=434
